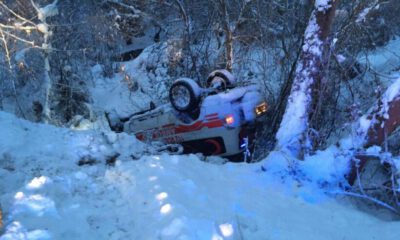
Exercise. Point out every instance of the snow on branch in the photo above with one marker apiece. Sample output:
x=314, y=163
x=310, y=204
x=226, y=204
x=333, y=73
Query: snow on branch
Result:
x=378, y=123
x=45, y=12
x=121, y=4
x=323, y=5
x=364, y=13
x=50, y=10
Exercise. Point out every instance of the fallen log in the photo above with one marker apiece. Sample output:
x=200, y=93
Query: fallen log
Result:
x=376, y=126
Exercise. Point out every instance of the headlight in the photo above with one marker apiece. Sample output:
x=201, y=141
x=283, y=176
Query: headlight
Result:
x=261, y=108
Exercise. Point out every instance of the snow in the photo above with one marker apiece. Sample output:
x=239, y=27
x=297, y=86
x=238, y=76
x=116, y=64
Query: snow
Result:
x=340, y=58
x=228, y=96
x=312, y=44
x=322, y=3
x=148, y=71
x=237, y=100
x=226, y=73
x=43, y=28
x=392, y=92
x=358, y=136
x=194, y=85
x=45, y=194
x=384, y=59
x=362, y=16
x=109, y=95
x=50, y=10
x=396, y=164
x=250, y=100
x=360, y=128
x=328, y=166
x=294, y=123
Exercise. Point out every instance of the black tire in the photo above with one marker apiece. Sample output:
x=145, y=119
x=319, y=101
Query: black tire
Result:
x=228, y=81
x=184, y=95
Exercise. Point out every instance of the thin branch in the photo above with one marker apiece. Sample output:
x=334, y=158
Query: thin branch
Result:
x=19, y=38
x=15, y=14
x=18, y=27
x=132, y=8
x=369, y=198
x=3, y=38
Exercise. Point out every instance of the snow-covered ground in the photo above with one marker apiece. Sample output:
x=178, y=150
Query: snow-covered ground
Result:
x=137, y=83
x=45, y=194
x=383, y=59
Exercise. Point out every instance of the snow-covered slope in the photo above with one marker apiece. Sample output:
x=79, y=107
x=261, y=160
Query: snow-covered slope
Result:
x=384, y=59
x=45, y=194
x=137, y=83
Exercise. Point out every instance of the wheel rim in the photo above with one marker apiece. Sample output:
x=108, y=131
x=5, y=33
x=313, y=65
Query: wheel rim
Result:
x=181, y=97
x=218, y=83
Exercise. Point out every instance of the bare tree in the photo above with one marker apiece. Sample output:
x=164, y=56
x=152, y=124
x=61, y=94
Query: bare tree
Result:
x=44, y=13
x=19, y=33
x=229, y=27
x=226, y=24
x=48, y=56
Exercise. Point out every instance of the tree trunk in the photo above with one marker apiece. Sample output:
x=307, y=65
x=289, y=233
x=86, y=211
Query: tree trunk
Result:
x=228, y=36
x=229, y=50
x=292, y=134
x=48, y=88
x=382, y=120
x=383, y=125
x=43, y=13
x=376, y=126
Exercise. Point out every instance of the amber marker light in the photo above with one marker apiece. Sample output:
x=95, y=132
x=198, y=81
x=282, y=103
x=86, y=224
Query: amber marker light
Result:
x=261, y=108
x=229, y=120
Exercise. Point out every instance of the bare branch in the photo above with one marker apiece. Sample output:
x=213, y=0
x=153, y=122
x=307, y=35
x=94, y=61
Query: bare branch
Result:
x=15, y=14
x=3, y=38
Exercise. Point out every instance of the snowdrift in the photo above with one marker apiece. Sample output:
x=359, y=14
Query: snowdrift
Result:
x=56, y=184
